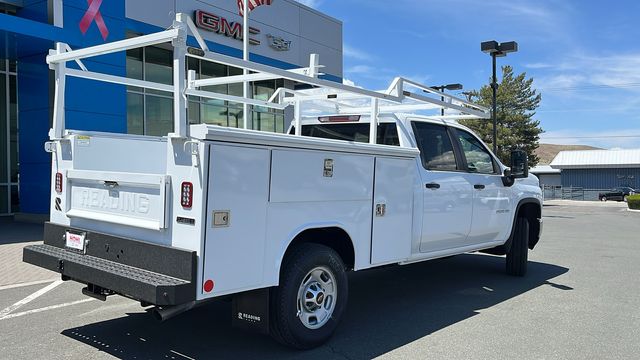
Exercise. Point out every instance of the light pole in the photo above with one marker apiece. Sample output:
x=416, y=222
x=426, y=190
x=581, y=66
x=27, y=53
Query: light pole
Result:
x=496, y=49
x=442, y=88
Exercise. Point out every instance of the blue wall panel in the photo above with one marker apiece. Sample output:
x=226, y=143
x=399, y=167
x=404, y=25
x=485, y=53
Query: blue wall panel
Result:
x=601, y=178
x=34, y=117
x=90, y=105
x=35, y=185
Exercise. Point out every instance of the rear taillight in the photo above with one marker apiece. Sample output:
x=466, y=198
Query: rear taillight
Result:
x=186, y=194
x=59, y=182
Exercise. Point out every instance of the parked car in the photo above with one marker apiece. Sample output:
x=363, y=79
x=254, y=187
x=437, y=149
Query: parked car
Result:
x=620, y=193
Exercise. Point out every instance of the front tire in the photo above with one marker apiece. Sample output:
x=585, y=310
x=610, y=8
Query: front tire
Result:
x=625, y=198
x=603, y=198
x=517, y=257
x=308, y=304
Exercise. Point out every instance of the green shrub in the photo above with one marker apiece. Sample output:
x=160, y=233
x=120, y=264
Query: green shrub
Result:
x=634, y=202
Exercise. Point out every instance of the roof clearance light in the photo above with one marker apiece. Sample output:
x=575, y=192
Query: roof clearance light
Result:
x=186, y=196
x=58, y=182
x=341, y=118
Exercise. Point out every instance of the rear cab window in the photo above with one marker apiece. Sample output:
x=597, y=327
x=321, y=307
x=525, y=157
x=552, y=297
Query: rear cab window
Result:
x=358, y=132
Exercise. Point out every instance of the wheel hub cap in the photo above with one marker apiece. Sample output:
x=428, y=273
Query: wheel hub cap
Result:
x=316, y=298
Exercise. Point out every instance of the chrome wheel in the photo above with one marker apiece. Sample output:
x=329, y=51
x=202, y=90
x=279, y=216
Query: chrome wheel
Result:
x=317, y=297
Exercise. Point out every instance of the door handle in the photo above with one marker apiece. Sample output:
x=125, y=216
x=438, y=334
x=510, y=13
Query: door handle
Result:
x=478, y=186
x=432, y=186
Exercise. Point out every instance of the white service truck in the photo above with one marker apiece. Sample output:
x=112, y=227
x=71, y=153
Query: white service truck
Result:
x=274, y=221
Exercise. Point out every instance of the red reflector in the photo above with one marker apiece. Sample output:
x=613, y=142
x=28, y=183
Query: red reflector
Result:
x=341, y=118
x=186, y=194
x=208, y=286
x=59, y=182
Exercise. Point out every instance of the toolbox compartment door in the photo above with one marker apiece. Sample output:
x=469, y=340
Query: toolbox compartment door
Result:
x=392, y=210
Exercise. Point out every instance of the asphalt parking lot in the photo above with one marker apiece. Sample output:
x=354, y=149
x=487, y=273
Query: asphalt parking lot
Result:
x=579, y=300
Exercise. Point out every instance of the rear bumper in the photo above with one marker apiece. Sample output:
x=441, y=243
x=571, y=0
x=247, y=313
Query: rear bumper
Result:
x=155, y=274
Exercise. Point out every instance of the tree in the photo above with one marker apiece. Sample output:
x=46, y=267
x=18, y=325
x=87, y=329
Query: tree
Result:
x=516, y=105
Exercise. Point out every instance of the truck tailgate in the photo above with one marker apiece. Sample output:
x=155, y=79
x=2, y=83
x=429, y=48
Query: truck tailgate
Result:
x=121, y=198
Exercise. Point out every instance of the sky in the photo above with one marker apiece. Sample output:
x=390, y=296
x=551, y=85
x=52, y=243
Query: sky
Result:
x=584, y=55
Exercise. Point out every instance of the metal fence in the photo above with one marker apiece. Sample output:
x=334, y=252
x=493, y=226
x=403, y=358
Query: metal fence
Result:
x=571, y=193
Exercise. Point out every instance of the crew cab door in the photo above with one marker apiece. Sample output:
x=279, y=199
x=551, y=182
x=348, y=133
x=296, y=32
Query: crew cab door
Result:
x=492, y=208
x=447, y=194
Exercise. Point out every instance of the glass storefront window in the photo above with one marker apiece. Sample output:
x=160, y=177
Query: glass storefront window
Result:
x=214, y=115
x=4, y=158
x=9, y=201
x=13, y=128
x=145, y=107
x=15, y=199
x=193, y=112
x=158, y=65
x=159, y=114
x=267, y=121
x=4, y=199
x=134, y=66
x=280, y=124
x=135, y=113
x=212, y=70
x=149, y=112
x=235, y=117
x=235, y=89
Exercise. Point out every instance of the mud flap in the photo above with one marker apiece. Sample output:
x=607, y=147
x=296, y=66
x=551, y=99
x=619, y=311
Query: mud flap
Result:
x=250, y=311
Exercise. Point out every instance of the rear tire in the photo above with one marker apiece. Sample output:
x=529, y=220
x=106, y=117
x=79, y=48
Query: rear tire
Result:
x=603, y=198
x=308, y=304
x=625, y=198
x=517, y=257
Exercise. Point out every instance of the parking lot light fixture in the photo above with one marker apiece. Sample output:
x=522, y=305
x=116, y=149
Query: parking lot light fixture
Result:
x=496, y=50
x=442, y=88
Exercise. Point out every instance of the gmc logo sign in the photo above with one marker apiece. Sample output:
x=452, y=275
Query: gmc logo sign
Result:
x=220, y=25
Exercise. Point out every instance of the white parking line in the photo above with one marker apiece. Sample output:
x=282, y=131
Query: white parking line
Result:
x=183, y=355
x=10, y=316
x=18, y=285
x=29, y=298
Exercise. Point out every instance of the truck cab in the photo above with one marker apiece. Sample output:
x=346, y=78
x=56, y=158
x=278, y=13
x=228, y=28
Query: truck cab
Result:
x=466, y=197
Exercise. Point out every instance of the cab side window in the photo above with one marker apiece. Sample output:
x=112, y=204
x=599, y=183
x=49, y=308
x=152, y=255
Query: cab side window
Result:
x=436, y=148
x=479, y=160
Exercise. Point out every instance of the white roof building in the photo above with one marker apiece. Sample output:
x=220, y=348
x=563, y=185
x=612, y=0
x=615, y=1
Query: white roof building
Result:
x=544, y=169
x=597, y=159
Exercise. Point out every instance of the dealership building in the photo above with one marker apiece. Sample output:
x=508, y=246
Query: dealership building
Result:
x=283, y=35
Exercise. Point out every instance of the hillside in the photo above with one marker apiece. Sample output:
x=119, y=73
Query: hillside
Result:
x=546, y=152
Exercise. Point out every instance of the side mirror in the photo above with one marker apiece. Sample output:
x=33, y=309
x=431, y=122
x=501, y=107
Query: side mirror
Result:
x=519, y=164
x=519, y=168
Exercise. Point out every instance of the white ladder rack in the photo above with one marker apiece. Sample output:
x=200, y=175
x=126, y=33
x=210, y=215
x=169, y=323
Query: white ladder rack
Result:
x=401, y=96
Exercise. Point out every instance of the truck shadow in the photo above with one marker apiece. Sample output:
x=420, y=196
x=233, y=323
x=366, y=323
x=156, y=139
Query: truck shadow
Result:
x=388, y=308
x=13, y=232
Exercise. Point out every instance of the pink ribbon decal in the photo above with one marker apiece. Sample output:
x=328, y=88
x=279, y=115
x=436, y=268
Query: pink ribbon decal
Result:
x=93, y=13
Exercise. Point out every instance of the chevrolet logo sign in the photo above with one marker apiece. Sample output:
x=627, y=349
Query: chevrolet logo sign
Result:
x=279, y=43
